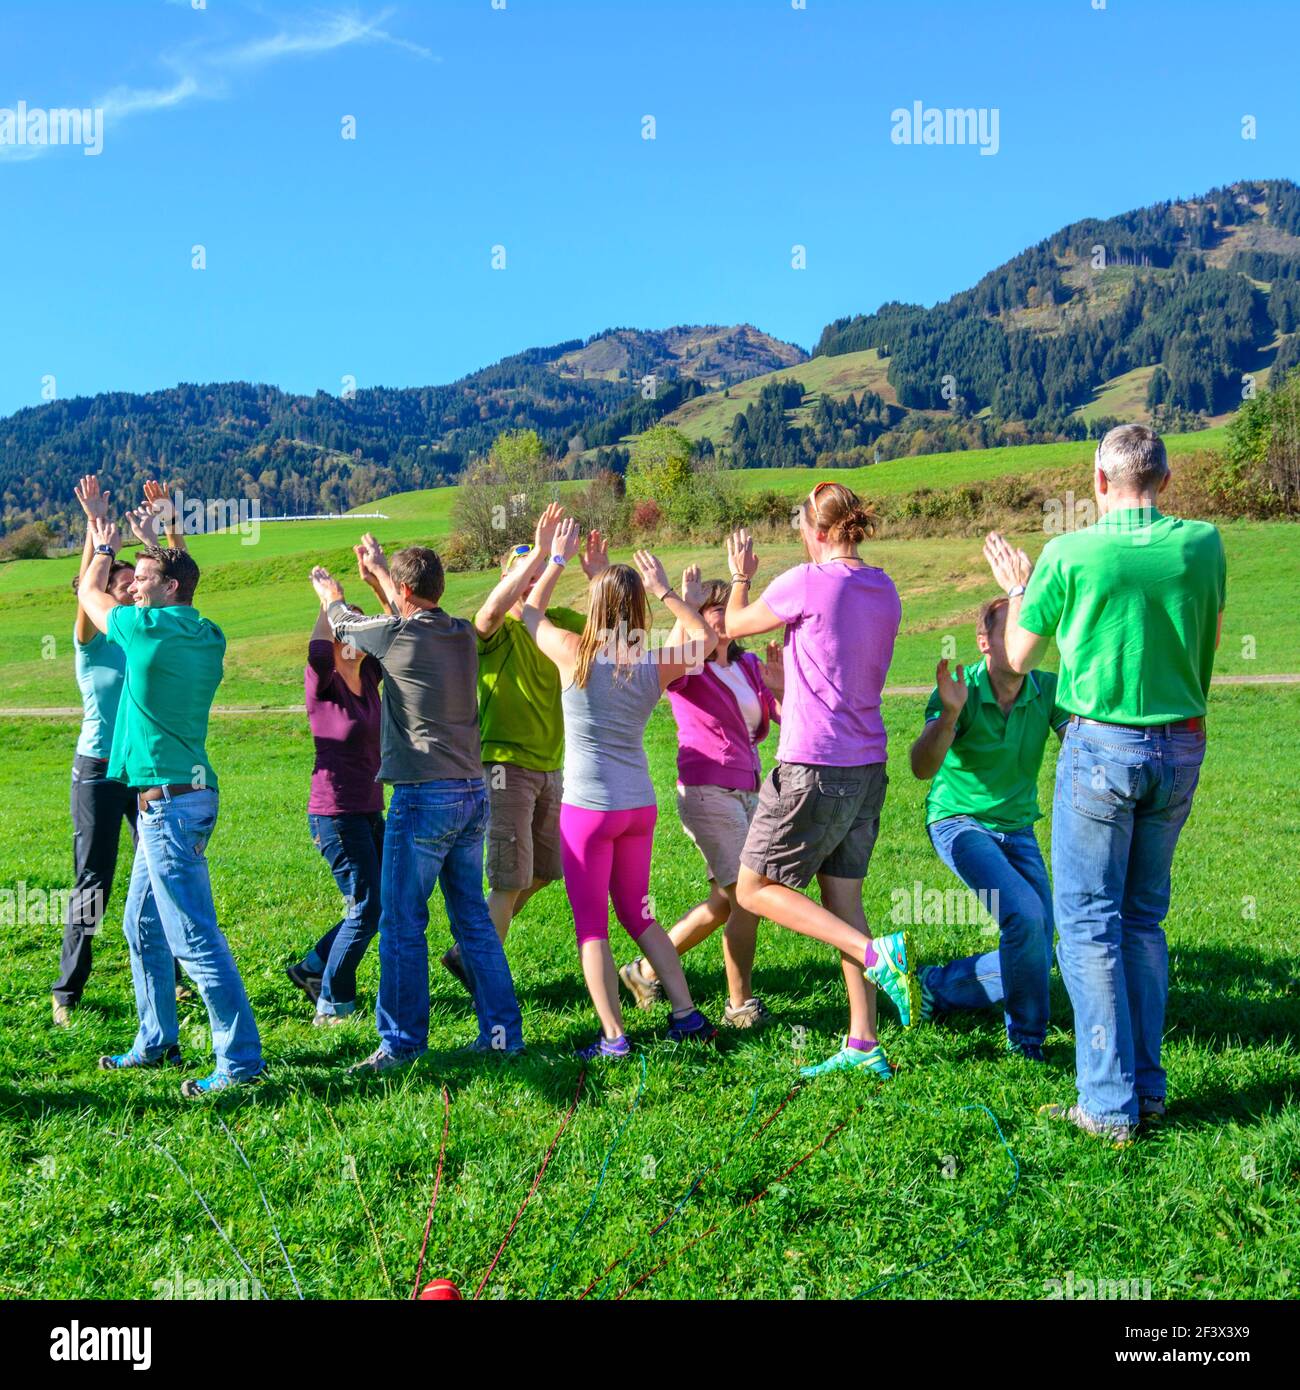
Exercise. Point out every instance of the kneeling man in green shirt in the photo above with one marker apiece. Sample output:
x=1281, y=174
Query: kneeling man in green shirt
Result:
x=982, y=747
x=1136, y=605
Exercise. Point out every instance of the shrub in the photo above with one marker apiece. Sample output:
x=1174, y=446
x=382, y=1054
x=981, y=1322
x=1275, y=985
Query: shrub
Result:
x=28, y=542
x=646, y=515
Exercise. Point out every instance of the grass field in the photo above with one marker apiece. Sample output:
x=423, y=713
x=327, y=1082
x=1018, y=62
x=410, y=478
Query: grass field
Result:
x=90, y=1205
x=1207, y=1209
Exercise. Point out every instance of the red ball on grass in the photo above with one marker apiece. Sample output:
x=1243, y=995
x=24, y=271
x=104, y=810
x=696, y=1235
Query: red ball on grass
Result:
x=440, y=1288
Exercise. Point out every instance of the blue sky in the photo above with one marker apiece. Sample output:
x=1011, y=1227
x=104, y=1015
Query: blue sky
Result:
x=522, y=127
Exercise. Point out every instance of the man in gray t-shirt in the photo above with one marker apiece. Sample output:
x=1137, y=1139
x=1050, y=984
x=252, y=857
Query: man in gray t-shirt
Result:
x=438, y=812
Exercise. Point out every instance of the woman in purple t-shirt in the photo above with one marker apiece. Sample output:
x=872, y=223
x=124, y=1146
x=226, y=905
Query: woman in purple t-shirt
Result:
x=345, y=813
x=819, y=809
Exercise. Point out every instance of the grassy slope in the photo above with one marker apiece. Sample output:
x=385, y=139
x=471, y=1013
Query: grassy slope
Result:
x=266, y=606
x=1206, y=1209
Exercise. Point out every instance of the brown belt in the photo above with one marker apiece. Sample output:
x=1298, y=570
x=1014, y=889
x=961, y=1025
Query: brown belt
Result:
x=148, y=794
x=1195, y=725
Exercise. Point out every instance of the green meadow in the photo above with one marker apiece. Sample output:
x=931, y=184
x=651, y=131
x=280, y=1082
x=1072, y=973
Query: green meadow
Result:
x=943, y=1183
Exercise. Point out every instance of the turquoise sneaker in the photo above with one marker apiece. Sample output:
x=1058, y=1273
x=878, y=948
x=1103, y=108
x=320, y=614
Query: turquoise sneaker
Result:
x=126, y=1061
x=891, y=973
x=848, y=1058
x=196, y=1088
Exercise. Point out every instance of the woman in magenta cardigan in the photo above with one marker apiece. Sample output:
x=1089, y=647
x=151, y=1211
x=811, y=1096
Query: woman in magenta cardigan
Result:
x=723, y=714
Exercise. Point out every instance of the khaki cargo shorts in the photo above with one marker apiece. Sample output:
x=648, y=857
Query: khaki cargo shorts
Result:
x=523, y=839
x=717, y=820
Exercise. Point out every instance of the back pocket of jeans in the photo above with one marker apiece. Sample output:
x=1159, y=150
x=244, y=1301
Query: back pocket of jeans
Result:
x=1101, y=789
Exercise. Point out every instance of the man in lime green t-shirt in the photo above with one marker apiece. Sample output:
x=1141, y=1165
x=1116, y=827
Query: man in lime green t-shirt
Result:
x=982, y=748
x=521, y=725
x=173, y=665
x=1135, y=603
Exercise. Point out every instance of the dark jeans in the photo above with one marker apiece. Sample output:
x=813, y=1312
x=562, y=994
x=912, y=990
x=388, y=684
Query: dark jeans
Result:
x=98, y=808
x=353, y=847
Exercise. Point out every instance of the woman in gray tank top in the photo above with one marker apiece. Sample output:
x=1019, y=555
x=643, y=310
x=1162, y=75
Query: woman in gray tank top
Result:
x=610, y=681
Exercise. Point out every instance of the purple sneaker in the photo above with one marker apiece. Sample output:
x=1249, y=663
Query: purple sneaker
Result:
x=603, y=1047
x=693, y=1027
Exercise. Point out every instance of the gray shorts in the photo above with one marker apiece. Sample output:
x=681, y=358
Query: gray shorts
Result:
x=815, y=820
x=717, y=819
x=523, y=838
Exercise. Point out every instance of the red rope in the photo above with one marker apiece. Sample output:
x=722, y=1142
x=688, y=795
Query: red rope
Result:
x=699, y=1182
x=437, y=1181
x=582, y=1076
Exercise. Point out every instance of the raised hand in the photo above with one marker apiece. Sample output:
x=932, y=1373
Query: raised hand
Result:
x=104, y=532
x=143, y=521
x=1009, y=565
x=774, y=668
x=374, y=553
x=740, y=554
x=653, y=574
x=564, y=542
x=328, y=589
x=952, y=690
x=93, y=502
x=692, y=587
x=595, y=556
x=546, y=527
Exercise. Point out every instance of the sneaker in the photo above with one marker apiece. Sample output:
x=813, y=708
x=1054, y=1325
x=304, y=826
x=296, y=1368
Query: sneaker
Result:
x=451, y=962
x=751, y=1014
x=319, y=1020
x=694, y=1027
x=1120, y=1136
x=604, y=1047
x=197, y=1087
x=1151, y=1111
x=184, y=994
x=305, y=980
x=62, y=1013
x=643, y=988
x=1030, y=1052
x=848, y=1058
x=891, y=973
x=126, y=1061
x=381, y=1061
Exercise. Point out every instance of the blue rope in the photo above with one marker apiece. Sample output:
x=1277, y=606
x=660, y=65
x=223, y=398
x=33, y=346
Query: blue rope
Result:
x=595, y=1196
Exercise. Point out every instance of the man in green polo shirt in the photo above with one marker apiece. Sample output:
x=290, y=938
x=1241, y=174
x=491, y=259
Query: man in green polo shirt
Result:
x=982, y=748
x=173, y=665
x=1136, y=605
x=522, y=729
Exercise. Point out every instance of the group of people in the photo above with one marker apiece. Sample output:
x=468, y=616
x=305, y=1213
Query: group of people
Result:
x=522, y=731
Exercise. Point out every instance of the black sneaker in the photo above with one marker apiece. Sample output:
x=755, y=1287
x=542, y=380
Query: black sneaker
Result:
x=452, y=963
x=307, y=982
x=1151, y=1111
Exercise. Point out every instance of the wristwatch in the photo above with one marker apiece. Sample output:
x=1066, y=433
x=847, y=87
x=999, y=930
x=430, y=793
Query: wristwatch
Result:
x=559, y=560
x=105, y=550
x=1015, y=591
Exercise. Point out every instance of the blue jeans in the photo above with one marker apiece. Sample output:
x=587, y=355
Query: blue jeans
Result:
x=1016, y=974
x=169, y=913
x=434, y=834
x=353, y=846
x=1122, y=797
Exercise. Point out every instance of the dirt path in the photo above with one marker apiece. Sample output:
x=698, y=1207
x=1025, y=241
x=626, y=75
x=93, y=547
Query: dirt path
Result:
x=74, y=711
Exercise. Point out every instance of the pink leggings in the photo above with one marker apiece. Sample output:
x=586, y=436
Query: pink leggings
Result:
x=606, y=854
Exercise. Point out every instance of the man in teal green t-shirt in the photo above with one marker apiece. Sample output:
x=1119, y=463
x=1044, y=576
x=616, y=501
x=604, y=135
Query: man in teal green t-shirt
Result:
x=1136, y=606
x=982, y=748
x=173, y=665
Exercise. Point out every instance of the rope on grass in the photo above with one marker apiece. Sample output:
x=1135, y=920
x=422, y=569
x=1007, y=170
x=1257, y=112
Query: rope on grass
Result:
x=433, y=1201
x=203, y=1203
x=591, y=1206
x=275, y=1229
x=694, y=1187
x=537, y=1180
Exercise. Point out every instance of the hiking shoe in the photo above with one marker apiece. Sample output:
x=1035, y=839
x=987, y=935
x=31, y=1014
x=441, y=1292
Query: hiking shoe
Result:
x=848, y=1058
x=62, y=1013
x=693, y=1027
x=1030, y=1052
x=891, y=973
x=184, y=994
x=1120, y=1136
x=126, y=1061
x=452, y=963
x=197, y=1087
x=1151, y=1111
x=644, y=989
x=305, y=980
x=381, y=1061
x=605, y=1047
x=751, y=1014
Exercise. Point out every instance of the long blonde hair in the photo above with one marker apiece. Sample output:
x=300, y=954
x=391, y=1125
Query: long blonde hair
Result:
x=617, y=610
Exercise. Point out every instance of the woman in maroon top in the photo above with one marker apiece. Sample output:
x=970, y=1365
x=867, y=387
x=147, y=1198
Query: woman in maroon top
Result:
x=345, y=813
